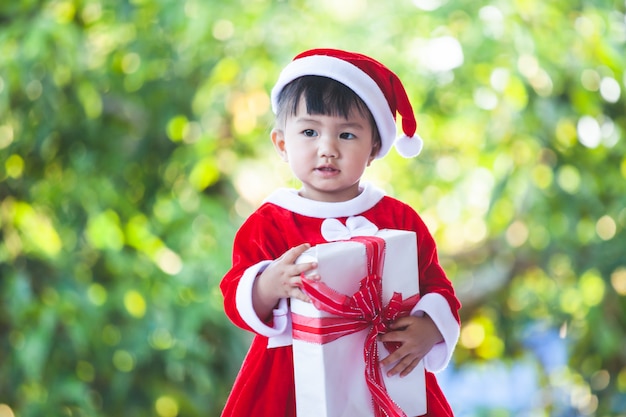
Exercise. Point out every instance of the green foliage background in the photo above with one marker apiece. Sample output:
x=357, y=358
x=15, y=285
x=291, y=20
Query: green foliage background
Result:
x=134, y=140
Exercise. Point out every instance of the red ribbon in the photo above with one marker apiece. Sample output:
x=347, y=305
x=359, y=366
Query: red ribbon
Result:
x=360, y=311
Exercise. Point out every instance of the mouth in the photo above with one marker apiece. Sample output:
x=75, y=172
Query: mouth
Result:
x=326, y=169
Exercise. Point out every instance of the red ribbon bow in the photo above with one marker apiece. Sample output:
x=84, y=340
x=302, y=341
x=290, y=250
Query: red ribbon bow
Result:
x=361, y=311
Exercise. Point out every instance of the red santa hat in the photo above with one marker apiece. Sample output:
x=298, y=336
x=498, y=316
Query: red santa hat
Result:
x=380, y=89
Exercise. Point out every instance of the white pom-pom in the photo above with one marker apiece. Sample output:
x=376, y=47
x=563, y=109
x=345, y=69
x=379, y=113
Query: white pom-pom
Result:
x=409, y=147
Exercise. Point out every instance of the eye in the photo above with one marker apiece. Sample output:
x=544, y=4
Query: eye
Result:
x=347, y=135
x=309, y=133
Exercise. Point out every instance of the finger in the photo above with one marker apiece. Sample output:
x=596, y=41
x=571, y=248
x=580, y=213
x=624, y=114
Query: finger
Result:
x=292, y=254
x=410, y=368
x=392, y=358
x=303, y=268
x=296, y=285
x=392, y=336
x=298, y=294
x=402, y=322
x=403, y=367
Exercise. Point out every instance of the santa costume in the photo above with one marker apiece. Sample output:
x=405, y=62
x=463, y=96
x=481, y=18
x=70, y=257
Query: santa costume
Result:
x=264, y=386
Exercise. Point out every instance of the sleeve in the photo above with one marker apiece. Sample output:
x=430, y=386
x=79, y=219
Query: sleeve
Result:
x=257, y=243
x=438, y=298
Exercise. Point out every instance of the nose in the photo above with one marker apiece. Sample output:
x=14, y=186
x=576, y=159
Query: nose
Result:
x=327, y=147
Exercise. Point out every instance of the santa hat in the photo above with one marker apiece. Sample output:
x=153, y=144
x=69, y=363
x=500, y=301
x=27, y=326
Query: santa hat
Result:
x=375, y=84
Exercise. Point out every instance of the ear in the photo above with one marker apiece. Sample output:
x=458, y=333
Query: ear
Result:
x=278, y=139
x=375, y=150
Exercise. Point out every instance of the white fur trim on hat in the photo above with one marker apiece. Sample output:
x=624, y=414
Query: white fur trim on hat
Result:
x=409, y=147
x=352, y=77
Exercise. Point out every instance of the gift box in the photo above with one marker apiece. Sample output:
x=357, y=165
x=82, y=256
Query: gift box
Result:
x=330, y=375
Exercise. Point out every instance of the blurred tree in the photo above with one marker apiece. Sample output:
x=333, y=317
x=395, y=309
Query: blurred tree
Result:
x=133, y=141
x=113, y=212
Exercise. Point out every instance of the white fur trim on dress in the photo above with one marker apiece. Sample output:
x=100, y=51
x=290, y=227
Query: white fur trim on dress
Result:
x=290, y=200
x=432, y=304
x=243, y=301
x=438, y=309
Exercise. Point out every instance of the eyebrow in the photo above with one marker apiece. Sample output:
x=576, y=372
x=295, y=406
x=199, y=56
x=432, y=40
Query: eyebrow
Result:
x=343, y=125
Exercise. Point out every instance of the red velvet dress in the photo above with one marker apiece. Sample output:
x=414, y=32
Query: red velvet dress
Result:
x=264, y=386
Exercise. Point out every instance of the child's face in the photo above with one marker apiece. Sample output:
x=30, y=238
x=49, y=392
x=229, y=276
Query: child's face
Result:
x=328, y=154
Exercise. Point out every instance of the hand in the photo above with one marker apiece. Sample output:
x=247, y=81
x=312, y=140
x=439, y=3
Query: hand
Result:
x=417, y=336
x=281, y=279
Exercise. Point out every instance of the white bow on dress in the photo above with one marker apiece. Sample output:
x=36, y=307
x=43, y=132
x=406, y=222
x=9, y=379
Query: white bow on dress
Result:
x=333, y=229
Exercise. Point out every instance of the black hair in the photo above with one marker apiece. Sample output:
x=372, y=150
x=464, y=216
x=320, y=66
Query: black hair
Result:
x=325, y=96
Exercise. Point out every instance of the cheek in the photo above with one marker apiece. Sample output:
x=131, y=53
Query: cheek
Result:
x=298, y=150
x=293, y=155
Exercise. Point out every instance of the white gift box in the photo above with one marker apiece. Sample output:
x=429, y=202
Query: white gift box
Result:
x=329, y=378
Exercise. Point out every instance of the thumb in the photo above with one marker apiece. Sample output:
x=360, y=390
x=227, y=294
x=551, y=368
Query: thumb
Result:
x=400, y=323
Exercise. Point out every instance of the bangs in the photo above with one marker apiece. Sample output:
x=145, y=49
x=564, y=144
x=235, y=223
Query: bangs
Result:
x=322, y=96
